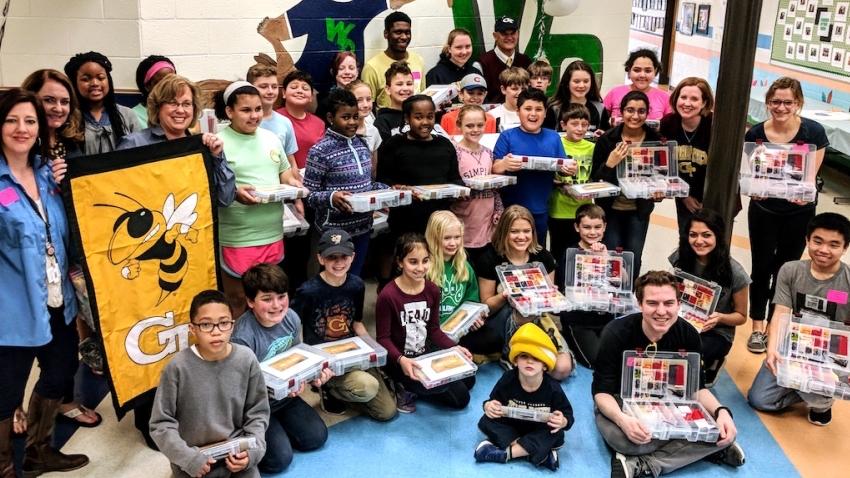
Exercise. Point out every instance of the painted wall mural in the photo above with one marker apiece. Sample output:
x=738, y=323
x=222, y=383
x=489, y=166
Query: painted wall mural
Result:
x=333, y=25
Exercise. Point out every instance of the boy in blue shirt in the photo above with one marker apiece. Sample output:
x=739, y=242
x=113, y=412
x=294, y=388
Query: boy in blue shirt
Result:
x=268, y=328
x=331, y=305
x=533, y=188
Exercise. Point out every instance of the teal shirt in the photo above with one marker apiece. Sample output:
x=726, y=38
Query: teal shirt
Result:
x=455, y=293
x=256, y=159
x=141, y=111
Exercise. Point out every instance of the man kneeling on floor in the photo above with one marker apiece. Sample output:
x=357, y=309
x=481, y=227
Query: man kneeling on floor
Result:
x=818, y=285
x=656, y=327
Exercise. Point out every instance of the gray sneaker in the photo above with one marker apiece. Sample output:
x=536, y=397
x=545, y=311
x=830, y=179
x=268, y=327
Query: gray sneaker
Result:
x=732, y=455
x=757, y=343
x=623, y=466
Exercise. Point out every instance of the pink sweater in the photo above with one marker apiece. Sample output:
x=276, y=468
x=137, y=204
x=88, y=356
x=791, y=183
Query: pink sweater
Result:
x=659, y=102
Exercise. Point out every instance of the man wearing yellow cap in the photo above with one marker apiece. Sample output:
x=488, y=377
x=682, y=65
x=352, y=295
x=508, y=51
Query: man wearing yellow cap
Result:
x=656, y=327
x=527, y=388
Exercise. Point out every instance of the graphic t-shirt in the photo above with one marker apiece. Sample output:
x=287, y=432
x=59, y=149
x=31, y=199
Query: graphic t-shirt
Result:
x=282, y=127
x=455, y=293
x=266, y=342
x=328, y=312
x=477, y=211
x=799, y=290
x=404, y=322
x=548, y=397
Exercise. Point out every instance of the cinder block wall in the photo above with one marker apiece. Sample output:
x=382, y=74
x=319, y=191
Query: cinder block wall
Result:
x=218, y=38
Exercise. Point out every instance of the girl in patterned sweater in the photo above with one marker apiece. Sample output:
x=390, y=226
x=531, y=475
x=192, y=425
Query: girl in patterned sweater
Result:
x=337, y=166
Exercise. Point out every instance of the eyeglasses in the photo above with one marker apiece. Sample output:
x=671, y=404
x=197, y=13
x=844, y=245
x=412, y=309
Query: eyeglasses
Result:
x=785, y=103
x=632, y=111
x=208, y=327
x=49, y=100
x=187, y=105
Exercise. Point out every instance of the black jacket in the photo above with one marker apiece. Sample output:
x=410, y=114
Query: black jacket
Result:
x=446, y=72
x=604, y=145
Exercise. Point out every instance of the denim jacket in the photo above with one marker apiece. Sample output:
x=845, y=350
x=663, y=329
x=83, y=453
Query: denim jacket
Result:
x=25, y=320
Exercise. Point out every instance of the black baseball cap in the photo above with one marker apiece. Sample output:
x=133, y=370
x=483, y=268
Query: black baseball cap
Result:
x=336, y=241
x=506, y=23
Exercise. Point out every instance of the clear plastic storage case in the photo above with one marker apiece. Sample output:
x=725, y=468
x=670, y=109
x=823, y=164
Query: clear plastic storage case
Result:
x=649, y=170
x=441, y=93
x=279, y=193
x=286, y=371
x=697, y=298
x=354, y=353
x=444, y=366
x=527, y=414
x=544, y=163
x=784, y=171
x=529, y=290
x=379, y=199
x=440, y=191
x=458, y=324
x=594, y=190
x=489, y=181
x=660, y=388
x=814, y=356
x=293, y=223
x=220, y=450
x=600, y=281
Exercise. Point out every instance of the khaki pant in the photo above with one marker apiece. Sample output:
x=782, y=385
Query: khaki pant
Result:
x=366, y=388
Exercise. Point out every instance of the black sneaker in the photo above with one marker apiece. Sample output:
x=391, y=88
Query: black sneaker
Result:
x=732, y=455
x=551, y=462
x=488, y=452
x=331, y=404
x=820, y=419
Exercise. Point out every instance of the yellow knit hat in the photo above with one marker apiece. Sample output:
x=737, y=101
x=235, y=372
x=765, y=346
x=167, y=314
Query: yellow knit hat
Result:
x=532, y=340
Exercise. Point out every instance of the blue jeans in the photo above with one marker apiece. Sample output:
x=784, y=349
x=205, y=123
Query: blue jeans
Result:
x=627, y=229
x=293, y=424
x=768, y=396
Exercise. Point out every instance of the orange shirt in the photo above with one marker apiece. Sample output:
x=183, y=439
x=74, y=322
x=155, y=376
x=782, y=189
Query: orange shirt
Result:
x=449, y=122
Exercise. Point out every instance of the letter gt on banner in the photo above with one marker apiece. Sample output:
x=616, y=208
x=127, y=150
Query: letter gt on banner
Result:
x=144, y=222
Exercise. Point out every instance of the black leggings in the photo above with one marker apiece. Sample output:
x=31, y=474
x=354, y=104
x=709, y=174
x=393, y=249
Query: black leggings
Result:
x=57, y=361
x=774, y=240
x=451, y=395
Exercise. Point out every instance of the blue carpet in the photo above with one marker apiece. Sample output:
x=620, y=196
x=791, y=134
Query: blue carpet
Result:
x=437, y=442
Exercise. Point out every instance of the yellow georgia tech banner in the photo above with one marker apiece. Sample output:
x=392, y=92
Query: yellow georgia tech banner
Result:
x=145, y=223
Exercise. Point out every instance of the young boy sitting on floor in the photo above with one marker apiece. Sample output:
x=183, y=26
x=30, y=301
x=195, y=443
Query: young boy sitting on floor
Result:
x=213, y=391
x=583, y=329
x=528, y=387
x=269, y=327
x=331, y=308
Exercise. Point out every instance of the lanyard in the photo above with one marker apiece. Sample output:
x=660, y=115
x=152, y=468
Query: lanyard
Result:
x=49, y=249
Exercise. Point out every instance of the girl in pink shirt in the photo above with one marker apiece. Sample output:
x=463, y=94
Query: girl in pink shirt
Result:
x=480, y=212
x=642, y=66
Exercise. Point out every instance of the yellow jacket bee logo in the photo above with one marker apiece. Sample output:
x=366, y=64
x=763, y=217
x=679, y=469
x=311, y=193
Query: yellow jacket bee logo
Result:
x=141, y=233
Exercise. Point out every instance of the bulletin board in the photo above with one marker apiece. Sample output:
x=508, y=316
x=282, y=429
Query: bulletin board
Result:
x=813, y=34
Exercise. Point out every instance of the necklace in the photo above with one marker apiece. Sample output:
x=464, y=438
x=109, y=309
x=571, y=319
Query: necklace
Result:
x=689, y=137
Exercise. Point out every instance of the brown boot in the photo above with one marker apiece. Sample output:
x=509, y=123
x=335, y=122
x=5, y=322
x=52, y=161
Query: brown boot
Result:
x=7, y=466
x=41, y=457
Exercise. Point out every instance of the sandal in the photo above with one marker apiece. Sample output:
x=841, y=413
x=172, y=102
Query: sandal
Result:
x=72, y=416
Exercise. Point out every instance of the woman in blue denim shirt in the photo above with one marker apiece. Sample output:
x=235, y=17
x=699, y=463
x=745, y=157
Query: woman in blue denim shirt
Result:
x=38, y=299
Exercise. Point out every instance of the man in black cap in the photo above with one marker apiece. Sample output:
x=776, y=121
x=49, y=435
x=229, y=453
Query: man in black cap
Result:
x=503, y=55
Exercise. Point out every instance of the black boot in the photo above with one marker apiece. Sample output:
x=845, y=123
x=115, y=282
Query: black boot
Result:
x=7, y=466
x=40, y=456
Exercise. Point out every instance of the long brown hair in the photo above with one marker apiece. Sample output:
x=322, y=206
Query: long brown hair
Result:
x=14, y=97
x=72, y=130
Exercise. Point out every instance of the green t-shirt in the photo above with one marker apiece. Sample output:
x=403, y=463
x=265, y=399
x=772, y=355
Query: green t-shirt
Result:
x=142, y=113
x=256, y=159
x=456, y=293
x=561, y=204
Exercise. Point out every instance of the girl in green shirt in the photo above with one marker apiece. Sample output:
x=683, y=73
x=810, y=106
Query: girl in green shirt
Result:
x=449, y=268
